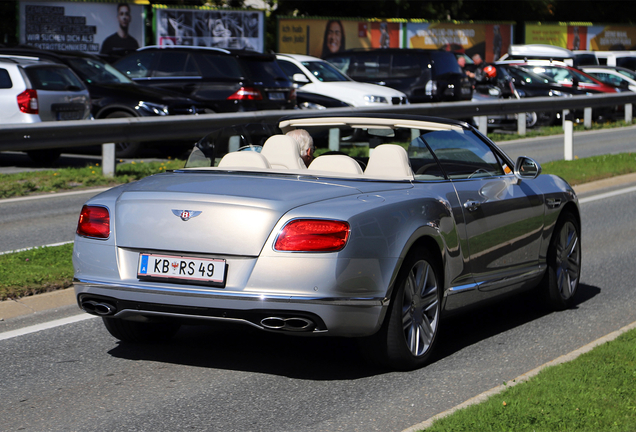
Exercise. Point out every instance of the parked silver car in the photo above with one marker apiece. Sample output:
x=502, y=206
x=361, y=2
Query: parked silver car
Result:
x=34, y=90
x=436, y=220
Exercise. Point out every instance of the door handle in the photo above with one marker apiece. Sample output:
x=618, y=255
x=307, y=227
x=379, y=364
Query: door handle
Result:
x=471, y=205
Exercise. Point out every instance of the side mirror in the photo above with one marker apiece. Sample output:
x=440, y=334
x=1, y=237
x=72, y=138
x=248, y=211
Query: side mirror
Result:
x=527, y=168
x=300, y=78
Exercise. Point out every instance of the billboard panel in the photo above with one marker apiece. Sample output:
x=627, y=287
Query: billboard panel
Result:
x=210, y=28
x=108, y=28
x=319, y=37
x=583, y=36
x=490, y=41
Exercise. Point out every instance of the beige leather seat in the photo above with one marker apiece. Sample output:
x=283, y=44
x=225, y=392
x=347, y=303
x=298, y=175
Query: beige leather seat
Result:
x=282, y=152
x=336, y=163
x=389, y=161
x=244, y=159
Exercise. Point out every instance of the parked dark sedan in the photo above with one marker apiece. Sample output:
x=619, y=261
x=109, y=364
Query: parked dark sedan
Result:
x=423, y=75
x=113, y=95
x=224, y=80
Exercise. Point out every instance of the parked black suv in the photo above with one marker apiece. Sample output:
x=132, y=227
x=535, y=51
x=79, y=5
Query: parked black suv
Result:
x=424, y=75
x=113, y=95
x=225, y=80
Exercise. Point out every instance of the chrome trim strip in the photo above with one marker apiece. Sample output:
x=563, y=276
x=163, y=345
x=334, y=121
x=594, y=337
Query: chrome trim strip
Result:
x=190, y=292
x=508, y=280
x=462, y=288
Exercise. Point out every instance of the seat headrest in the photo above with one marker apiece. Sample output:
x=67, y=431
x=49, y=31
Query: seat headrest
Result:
x=389, y=161
x=336, y=163
x=283, y=152
x=244, y=159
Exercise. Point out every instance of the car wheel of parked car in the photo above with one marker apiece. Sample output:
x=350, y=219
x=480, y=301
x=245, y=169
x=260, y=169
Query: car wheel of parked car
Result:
x=44, y=157
x=410, y=329
x=125, y=149
x=564, y=263
x=531, y=119
x=140, y=332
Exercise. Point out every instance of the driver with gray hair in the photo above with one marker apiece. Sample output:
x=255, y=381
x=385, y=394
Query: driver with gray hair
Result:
x=305, y=144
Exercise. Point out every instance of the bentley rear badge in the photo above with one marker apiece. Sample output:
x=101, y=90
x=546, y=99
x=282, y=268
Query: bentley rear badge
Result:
x=186, y=214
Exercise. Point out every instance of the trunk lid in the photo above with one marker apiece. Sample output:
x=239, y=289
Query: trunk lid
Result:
x=228, y=214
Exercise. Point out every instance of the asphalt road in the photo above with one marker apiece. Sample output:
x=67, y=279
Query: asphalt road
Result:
x=77, y=377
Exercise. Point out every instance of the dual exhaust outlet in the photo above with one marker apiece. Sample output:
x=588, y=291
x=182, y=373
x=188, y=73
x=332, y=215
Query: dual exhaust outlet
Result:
x=291, y=324
x=99, y=308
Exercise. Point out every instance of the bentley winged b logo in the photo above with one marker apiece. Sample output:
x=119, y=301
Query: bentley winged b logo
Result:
x=186, y=214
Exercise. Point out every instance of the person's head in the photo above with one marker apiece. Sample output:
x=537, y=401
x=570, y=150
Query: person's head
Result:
x=334, y=39
x=123, y=16
x=305, y=144
x=461, y=61
x=477, y=59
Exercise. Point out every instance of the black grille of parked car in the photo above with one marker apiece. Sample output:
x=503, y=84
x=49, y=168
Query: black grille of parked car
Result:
x=398, y=100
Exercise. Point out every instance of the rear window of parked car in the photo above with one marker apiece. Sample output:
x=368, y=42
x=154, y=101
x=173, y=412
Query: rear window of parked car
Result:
x=217, y=66
x=53, y=78
x=5, y=79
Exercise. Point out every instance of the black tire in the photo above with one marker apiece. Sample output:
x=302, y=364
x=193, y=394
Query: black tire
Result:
x=140, y=332
x=561, y=280
x=409, y=333
x=46, y=157
x=125, y=149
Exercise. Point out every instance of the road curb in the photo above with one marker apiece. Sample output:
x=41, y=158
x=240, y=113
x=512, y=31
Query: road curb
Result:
x=523, y=378
x=36, y=303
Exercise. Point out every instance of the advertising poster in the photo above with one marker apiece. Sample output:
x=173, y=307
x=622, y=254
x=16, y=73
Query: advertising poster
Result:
x=611, y=38
x=319, y=37
x=232, y=29
x=107, y=28
x=547, y=34
x=583, y=37
x=490, y=41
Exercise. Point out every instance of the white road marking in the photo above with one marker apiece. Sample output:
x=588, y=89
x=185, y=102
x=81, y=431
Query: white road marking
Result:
x=33, y=247
x=44, y=326
x=54, y=195
x=607, y=195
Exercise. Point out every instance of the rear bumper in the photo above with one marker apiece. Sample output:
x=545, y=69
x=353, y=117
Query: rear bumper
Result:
x=349, y=317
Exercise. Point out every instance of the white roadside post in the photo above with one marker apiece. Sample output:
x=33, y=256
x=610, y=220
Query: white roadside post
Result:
x=482, y=122
x=334, y=139
x=521, y=124
x=568, y=131
x=108, y=159
x=587, y=118
x=628, y=113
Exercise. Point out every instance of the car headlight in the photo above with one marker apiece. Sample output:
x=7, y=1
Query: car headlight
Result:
x=375, y=99
x=153, y=108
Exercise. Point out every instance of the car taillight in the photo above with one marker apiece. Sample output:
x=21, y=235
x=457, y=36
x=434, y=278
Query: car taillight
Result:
x=246, y=93
x=28, y=101
x=292, y=94
x=313, y=235
x=94, y=221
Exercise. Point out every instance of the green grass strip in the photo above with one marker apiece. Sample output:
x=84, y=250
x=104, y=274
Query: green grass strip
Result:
x=35, y=271
x=65, y=179
x=595, y=392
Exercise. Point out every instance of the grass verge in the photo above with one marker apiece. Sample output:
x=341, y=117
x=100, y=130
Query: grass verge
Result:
x=65, y=179
x=595, y=392
x=35, y=271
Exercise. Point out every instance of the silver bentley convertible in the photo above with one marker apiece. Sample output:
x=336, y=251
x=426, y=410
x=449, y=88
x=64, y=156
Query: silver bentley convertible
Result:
x=380, y=248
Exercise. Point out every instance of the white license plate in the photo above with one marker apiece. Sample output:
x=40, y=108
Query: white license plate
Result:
x=277, y=96
x=68, y=115
x=182, y=269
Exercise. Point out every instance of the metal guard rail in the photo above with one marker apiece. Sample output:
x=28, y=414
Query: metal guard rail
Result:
x=47, y=135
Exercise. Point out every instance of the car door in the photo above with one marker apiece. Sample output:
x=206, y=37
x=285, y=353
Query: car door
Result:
x=502, y=216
